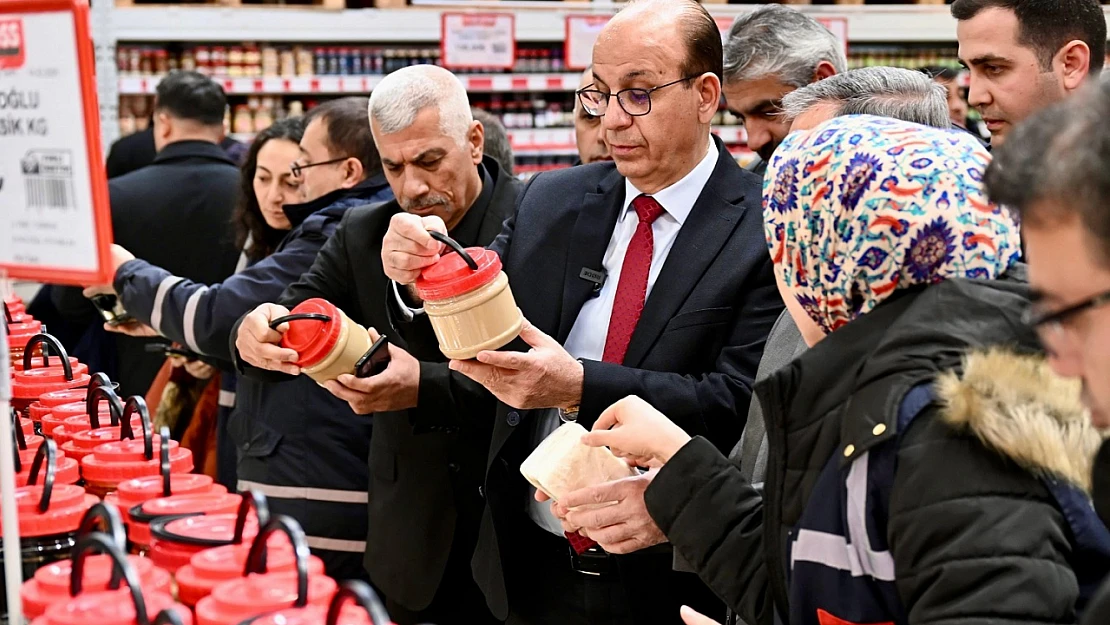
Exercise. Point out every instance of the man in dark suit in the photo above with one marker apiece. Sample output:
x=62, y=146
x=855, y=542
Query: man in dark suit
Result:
x=648, y=277
x=174, y=213
x=424, y=480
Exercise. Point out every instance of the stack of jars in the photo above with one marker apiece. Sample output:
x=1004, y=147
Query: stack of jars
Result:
x=55, y=372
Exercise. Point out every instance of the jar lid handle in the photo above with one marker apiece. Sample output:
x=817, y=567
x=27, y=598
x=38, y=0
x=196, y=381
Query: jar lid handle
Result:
x=454, y=245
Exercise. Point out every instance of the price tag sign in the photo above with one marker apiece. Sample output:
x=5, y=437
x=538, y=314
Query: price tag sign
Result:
x=582, y=32
x=478, y=40
x=838, y=26
x=55, y=220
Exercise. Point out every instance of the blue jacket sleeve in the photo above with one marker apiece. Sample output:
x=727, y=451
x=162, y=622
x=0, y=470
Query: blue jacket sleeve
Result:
x=201, y=317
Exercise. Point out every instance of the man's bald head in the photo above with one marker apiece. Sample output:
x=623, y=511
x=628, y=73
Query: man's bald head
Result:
x=696, y=27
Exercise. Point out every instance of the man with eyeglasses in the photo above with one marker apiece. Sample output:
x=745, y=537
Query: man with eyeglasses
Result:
x=646, y=276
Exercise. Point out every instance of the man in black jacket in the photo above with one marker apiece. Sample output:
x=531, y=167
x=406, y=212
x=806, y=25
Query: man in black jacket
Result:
x=175, y=213
x=424, y=481
x=648, y=277
x=1055, y=172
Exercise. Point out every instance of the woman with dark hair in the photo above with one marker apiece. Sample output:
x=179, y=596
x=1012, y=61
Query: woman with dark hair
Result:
x=266, y=186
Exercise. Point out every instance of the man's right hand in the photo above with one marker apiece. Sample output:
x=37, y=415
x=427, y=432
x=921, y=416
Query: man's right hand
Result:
x=260, y=346
x=408, y=248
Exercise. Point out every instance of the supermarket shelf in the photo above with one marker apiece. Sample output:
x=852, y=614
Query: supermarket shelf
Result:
x=361, y=84
x=535, y=21
x=560, y=140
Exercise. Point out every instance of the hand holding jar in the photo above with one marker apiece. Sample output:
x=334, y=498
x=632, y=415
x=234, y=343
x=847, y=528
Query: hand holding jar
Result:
x=260, y=346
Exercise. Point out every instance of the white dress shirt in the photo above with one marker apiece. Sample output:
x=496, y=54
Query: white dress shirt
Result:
x=591, y=328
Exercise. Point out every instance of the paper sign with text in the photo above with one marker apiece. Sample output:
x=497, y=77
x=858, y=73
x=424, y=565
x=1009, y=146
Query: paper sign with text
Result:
x=581, y=33
x=55, y=222
x=478, y=40
x=838, y=26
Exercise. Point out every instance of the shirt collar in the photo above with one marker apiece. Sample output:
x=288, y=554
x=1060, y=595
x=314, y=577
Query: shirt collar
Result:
x=679, y=198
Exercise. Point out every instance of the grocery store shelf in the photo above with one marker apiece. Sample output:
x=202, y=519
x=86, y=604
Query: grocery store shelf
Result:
x=479, y=83
x=535, y=21
x=561, y=140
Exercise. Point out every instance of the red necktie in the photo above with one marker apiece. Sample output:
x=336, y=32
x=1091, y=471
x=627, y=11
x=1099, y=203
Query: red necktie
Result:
x=628, y=303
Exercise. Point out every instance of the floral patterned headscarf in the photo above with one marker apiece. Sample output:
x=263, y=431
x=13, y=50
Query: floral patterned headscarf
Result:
x=862, y=206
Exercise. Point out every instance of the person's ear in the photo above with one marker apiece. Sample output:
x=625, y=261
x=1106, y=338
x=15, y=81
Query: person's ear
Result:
x=708, y=87
x=1073, y=62
x=352, y=172
x=164, y=127
x=824, y=70
x=476, y=141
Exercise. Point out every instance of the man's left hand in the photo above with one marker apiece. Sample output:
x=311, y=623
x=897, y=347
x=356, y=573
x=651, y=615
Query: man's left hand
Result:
x=544, y=377
x=396, y=388
x=621, y=527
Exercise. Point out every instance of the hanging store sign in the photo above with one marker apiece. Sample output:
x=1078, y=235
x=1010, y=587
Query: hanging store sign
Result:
x=478, y=40
x=55, y=220
x=581, y=34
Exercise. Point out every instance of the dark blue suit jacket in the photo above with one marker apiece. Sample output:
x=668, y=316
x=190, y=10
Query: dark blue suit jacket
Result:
x=694, y=352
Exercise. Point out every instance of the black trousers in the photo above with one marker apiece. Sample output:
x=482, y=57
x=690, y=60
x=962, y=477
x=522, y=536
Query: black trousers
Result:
x=635, y=589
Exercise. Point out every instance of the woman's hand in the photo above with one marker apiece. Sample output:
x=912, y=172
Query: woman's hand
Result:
x=691, y=616
x=637, y=432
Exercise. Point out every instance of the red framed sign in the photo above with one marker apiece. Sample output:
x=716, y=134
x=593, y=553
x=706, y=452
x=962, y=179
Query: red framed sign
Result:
x=581, y=33
x=55, y=219
x=478, y=40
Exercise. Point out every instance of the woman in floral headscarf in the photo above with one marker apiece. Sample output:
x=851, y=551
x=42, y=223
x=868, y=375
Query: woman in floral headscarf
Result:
x=925, y=465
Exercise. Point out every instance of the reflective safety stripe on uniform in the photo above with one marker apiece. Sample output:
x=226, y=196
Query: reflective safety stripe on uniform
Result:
x=311, y=494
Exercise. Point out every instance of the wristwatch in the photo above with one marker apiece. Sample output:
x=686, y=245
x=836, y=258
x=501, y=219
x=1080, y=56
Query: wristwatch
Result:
x=569, y=415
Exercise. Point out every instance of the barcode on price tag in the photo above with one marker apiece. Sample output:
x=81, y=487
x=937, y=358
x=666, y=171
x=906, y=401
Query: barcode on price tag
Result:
x=48, y=179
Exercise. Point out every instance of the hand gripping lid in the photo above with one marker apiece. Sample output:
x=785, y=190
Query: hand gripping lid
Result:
x=458, y=273
x=314, y=328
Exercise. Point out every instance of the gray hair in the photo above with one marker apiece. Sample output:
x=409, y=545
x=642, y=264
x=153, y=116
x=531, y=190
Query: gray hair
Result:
x=775, y=40
x=884, y=91
x=399, y=98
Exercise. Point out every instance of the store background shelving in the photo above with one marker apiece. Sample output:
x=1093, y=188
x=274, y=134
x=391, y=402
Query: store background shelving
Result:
x=535, y=105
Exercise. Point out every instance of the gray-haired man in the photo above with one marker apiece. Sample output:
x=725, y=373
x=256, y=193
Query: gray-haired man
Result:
x=770, y=52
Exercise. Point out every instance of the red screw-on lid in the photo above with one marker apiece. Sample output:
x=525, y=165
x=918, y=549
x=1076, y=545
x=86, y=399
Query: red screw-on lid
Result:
x=206, y=503
x=110, y=607
x=451, y=276
x=174, y=541
x=136, y=491
x=67, y=396
x=32, y=383
x=23, y=329
x=315, y=615
x=51, y=583
x=313, y=339
x=68, y=503
x=69, y=472
x=112, y=463
x=87, y=439
x=236, y=600
x=211, y=567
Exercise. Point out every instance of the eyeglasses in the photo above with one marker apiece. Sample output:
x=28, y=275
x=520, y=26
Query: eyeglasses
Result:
x=297, y=168
x=635, y=102
x=1050, y=325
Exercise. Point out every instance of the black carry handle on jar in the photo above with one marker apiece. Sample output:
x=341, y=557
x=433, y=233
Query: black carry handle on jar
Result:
x=92, y=405
x=261, y=510
x=120, y=565
x=8, y=319
x=454, y=245
x=256, y=562
x=138, y=404
x=19, y=443
x=362, y=594
x=49, y=452
x=109, y=517
x=100, y=379
x=299, y=317
x=55, y=346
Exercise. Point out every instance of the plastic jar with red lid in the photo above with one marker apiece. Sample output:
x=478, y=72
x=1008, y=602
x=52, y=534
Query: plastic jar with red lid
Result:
x=49, y=517
x=258, y=591
x=65, y=470
x=30, y=383
x=468, y=301
x=367, y=610
x=47, y=402
x=112, y=463
x=140, y=490
x=130, y=605
x=101, y=404
x=51, y=583
x=175, y=540
x=327, y=342
x=19, y=332
x=176, y=506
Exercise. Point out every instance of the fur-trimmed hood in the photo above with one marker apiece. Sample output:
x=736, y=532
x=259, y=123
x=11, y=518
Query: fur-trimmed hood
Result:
x=1018, y=407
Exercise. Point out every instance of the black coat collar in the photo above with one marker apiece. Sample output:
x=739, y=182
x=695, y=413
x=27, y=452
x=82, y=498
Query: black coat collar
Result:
x=297, y=213
x=183, y=150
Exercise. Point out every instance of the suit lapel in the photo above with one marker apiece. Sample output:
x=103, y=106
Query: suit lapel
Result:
x=596, y=219
x=704, y=233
